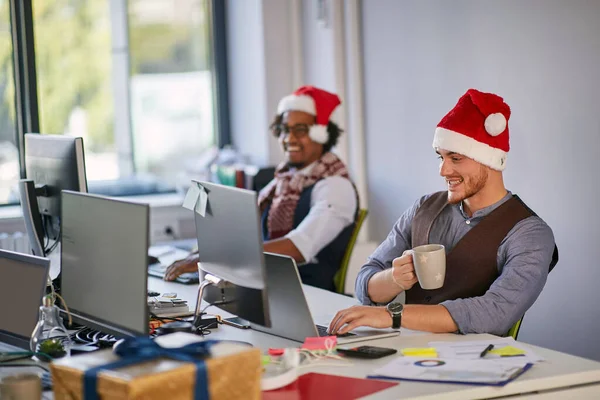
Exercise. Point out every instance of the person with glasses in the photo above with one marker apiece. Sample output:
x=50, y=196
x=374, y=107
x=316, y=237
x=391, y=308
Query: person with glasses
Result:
x=310, y=207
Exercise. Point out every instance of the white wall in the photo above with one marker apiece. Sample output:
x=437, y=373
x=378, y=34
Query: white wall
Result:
x=261, y=70
x=543, y=58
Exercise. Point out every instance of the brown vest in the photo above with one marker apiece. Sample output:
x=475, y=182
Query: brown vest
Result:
x=471, y=266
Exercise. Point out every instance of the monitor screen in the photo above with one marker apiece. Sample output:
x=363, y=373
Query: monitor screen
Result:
x=22, y=286
x=104, y=261
x=230, y=247
x=53, y=163
x=56, y=162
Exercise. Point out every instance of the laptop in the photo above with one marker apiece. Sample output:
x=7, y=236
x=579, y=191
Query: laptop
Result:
x=290, y=315
x=22, y=286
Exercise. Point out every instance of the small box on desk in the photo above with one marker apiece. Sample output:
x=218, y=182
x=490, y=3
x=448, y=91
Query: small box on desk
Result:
x=233, y=371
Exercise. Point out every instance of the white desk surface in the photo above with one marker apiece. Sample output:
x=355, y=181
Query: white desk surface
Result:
x=547, y=380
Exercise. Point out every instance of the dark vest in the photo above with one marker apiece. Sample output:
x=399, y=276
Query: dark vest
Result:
x=471, y=266
x=319, y=274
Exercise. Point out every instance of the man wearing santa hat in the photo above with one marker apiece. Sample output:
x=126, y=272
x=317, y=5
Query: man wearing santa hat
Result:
x=498, y=251
x=309, y=208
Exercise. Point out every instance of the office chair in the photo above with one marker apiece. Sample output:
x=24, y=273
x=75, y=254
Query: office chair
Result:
x=514, y=330
x=339, y=279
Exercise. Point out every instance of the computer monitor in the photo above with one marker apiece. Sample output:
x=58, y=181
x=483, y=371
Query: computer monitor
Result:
x=22, y=286
x=53, y=163
x=104, y=263
x=230, y=247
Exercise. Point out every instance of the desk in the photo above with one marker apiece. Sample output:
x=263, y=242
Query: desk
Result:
x=560, y=376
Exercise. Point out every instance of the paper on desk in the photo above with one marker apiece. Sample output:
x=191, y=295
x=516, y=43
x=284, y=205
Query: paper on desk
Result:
x=471, y=350
x=450, y=370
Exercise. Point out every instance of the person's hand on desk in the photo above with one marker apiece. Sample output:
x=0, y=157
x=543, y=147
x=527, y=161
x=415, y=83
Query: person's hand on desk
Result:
x=188, y=264
x=353, y=317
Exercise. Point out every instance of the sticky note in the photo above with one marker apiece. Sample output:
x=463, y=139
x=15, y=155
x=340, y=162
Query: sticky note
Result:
x=508, y=351
x=191, y=197
x=196, y=199
x=419, y=352
x=202, y=201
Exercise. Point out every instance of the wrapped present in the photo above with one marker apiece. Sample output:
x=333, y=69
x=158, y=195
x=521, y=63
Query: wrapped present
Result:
x=175, y=366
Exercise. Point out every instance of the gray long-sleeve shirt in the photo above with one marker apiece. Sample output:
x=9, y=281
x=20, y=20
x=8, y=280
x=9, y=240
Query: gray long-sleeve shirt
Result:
x=524, y=256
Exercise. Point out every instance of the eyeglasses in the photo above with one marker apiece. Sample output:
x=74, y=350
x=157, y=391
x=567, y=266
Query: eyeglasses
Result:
x=298, y=130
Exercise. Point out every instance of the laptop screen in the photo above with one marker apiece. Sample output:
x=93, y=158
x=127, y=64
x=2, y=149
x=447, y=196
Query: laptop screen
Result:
x=22, y=286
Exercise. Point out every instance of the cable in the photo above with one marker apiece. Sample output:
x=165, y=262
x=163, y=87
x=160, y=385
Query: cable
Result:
x=25, y=354
x=315, y=356
x=216, y=304
x=56, y=241
x=46, y=235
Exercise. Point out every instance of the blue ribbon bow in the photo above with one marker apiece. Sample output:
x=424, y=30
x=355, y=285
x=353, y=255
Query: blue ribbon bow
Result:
x=136, y=350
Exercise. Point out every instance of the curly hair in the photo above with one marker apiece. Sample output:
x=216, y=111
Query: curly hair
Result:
x=333, y=131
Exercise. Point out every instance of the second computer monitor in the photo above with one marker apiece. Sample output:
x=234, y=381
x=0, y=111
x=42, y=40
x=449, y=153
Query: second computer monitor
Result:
x=230, y=247
x=104, y=262
x=23, y=281
x=53, y=163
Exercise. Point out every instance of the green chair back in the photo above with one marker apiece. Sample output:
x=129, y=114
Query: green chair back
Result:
x=514, y=331
x=339, y=279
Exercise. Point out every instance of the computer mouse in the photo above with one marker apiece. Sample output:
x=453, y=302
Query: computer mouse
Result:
x=176, y=326
x=117, y=344
x=153, y=260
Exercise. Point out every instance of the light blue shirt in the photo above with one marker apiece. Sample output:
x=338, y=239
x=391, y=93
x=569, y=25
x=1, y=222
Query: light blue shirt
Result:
x=524, y=256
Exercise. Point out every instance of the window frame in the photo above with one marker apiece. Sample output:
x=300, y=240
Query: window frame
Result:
x=25, y=76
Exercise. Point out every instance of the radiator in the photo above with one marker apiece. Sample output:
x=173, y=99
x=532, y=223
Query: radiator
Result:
x=17, y=241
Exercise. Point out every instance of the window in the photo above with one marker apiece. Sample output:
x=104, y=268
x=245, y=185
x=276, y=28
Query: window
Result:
x=171, y=84
x=75, y=76
x=9, y=153
x=134, y=78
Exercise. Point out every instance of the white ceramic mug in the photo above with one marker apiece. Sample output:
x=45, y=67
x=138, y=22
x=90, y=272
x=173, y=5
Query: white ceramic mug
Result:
x=25, y=386
x=430, y=265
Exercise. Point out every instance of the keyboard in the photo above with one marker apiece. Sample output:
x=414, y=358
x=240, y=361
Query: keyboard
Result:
x=158, y=270
x=323, y=332
x=160, y=257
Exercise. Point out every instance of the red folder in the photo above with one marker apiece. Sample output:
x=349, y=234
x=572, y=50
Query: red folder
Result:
x=322, y=386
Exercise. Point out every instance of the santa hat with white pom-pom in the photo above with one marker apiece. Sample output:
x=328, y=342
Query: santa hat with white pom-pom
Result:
x=477, y=127
x=314, y=101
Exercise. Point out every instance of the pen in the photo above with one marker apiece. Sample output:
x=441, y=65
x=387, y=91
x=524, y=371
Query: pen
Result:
x=484, y=352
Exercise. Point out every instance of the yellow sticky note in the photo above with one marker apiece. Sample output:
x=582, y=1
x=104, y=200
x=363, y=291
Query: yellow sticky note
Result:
x=419, y=352
x=508, y=351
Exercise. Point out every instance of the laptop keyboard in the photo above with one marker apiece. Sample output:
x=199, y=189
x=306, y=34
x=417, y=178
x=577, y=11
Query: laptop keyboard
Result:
x=323, y=332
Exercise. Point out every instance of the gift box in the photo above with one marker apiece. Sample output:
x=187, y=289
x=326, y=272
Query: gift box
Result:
x=170, y=367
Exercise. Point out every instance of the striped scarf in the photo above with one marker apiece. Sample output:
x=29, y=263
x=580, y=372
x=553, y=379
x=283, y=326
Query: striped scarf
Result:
x=283, y=192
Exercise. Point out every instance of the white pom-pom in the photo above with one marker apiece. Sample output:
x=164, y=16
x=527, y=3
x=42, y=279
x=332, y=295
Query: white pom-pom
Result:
x=318, y=133
x=495, y=124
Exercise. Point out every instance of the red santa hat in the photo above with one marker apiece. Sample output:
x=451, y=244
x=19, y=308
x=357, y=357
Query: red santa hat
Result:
x=318, y=102
x=477, y=127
